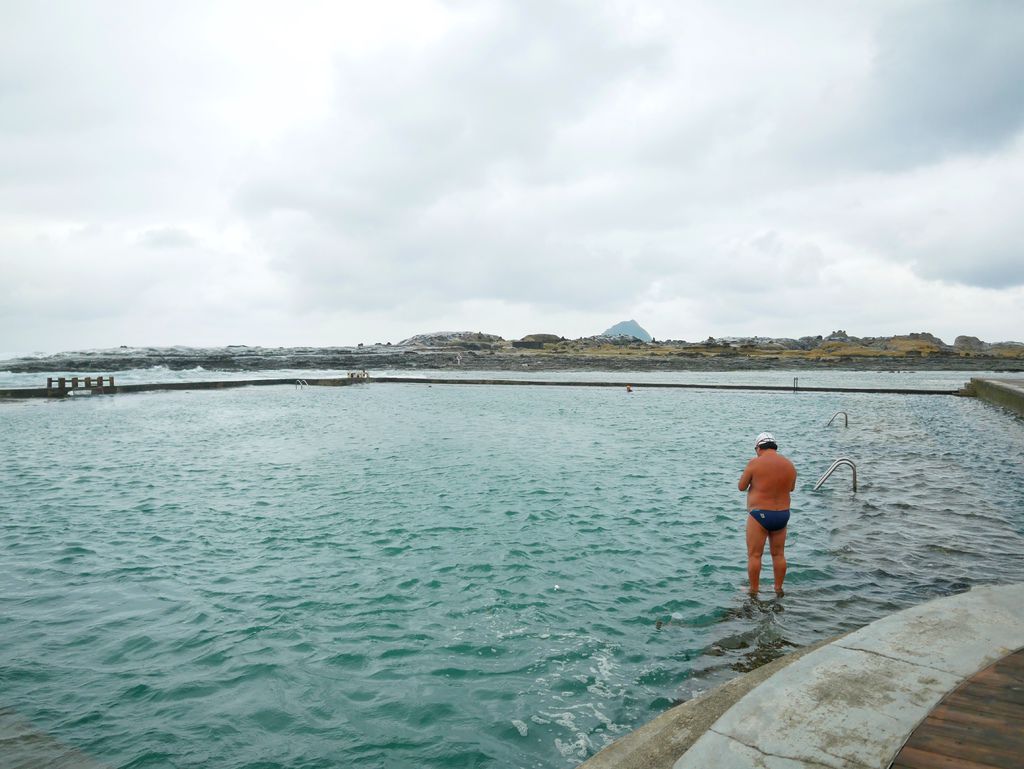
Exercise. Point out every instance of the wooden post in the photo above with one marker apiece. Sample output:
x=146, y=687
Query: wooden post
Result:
x=88, y=382
x=74, y=383
x=111, y=378
x=62, y=383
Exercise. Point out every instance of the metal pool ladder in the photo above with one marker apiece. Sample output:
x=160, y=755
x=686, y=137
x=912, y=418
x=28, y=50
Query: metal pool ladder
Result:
x=846, y=418
x=831, y=469
x=300, y=384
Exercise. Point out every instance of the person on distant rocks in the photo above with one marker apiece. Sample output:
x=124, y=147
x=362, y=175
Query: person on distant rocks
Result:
x=768, y=480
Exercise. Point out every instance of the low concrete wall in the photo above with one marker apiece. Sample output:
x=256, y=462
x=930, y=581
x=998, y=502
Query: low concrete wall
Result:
x=1008, y=393
x=664, y=385
x=42, y=392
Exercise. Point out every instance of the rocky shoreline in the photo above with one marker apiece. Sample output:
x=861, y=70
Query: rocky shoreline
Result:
x=546, y=352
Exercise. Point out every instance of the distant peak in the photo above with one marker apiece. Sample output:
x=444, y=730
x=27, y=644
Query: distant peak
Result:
x=629, y=328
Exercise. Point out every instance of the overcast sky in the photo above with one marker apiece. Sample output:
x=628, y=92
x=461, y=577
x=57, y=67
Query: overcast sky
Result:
x=209, y=173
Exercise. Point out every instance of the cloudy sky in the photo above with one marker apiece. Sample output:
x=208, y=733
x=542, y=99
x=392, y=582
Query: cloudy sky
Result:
x=208, y=173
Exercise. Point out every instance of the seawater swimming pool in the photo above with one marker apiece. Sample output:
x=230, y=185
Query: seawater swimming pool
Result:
x=404, y=575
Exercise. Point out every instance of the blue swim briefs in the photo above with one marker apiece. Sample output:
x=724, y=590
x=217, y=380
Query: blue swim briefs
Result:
x=772, y=520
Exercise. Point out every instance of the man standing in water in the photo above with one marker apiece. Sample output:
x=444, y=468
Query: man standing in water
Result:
x=768, y=480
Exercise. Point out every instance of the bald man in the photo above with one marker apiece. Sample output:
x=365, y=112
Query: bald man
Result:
x=768, y=480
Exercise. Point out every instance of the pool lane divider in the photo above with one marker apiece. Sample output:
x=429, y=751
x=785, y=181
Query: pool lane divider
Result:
x=110, y=389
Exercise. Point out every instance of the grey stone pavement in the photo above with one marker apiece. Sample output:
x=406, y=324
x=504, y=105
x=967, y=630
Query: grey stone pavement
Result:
x=849, y=703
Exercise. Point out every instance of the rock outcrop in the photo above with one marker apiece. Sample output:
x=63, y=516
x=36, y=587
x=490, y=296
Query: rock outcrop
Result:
x=450, y=339
x=542, y=338
x=969, y=344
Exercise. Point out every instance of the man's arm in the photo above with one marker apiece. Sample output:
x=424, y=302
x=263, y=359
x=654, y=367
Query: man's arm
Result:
x=747, y=477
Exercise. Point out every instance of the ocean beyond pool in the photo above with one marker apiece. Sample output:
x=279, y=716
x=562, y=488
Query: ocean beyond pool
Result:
x=446, y=576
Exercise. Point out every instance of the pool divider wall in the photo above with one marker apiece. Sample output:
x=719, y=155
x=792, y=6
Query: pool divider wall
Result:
x=664, y=385
x=43, y=392
x=49, y=392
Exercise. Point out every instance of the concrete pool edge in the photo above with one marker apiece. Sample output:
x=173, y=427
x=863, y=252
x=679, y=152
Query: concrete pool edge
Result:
x=849, y=702
x=661, y=741
x=1006, y=393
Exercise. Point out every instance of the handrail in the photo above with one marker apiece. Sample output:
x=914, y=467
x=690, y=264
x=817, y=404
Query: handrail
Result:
x=300, y=383
x=846, y=418
x=831, y=469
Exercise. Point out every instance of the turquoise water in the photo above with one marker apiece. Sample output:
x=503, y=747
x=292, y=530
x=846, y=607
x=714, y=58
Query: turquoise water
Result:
x=446, y=576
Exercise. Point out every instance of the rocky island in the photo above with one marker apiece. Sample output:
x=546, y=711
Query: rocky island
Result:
x=546, y=352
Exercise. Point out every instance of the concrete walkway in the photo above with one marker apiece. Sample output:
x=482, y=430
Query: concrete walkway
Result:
x=849, y=703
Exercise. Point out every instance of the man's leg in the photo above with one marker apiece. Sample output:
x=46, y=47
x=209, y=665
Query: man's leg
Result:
x=777, y=543
x=756, y=536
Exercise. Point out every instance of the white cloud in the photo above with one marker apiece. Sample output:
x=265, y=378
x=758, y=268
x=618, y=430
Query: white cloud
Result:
x=167, y=237
x=325, y=173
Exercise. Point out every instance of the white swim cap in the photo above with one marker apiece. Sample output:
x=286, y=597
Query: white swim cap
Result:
x=762, y=439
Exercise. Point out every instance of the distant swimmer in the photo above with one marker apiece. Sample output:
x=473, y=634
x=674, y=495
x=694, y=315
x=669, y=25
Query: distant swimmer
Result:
x=768, y=480
x=629, y=388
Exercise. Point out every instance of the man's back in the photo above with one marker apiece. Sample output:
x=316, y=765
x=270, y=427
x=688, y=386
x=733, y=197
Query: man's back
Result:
x=768, y=480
